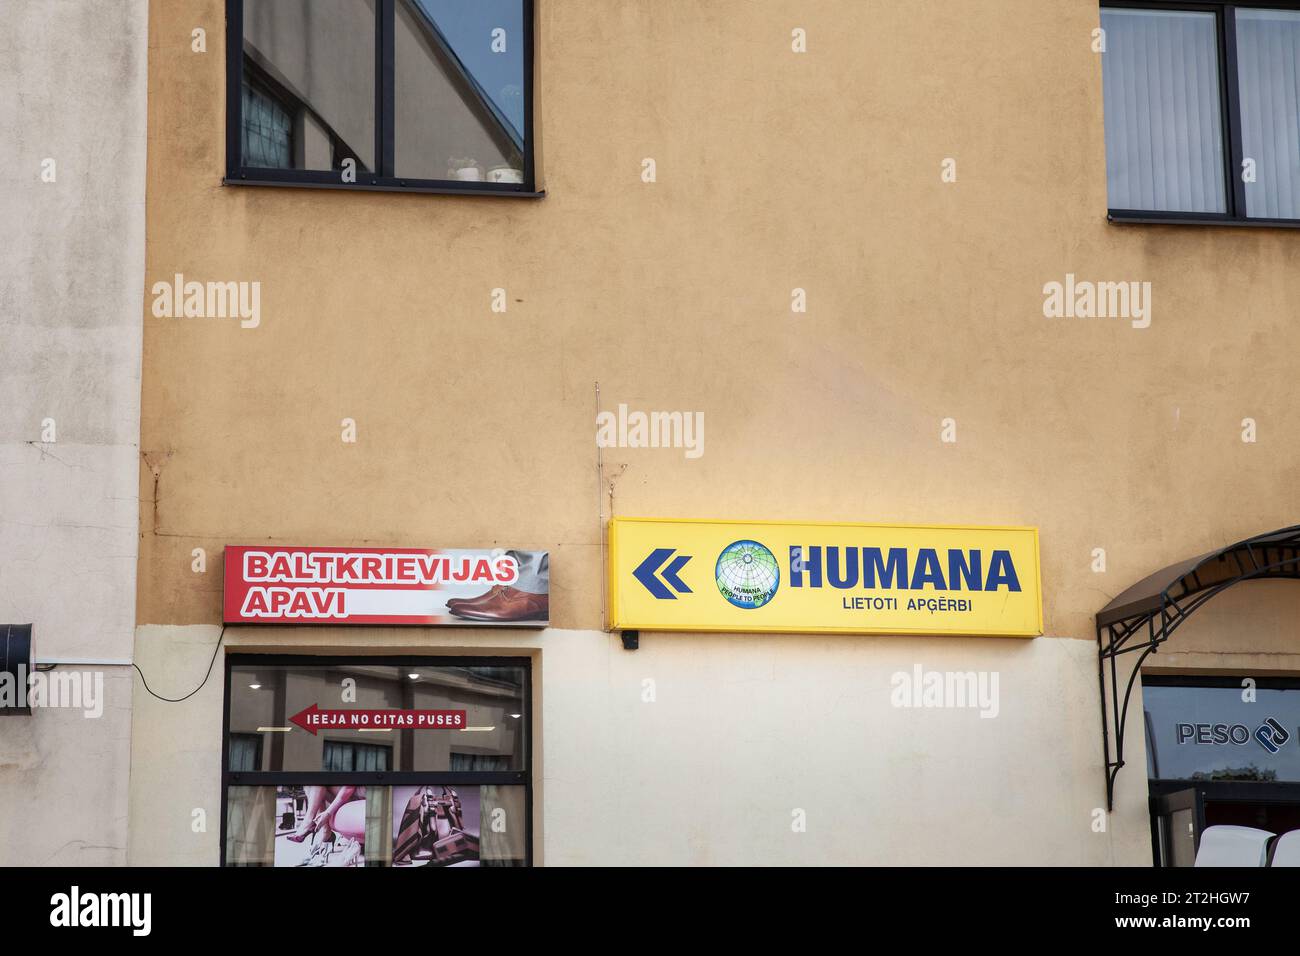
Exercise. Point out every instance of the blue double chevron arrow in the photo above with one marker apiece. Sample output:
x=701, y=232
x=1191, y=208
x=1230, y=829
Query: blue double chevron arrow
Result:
x=645, y=573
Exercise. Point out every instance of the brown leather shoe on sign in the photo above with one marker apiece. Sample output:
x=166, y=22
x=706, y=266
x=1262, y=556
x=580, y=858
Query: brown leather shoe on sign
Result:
x=503, y=604
x=484, y=598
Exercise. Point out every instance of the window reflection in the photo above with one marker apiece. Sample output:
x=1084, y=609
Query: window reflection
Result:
x=459, y=88
x=265, y=698
x=268, y=128
x=309, y=84
x=1212, y=733
x=342, y=756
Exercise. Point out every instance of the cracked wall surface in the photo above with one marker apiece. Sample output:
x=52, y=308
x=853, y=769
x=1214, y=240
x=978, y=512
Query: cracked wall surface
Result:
x=73, y=74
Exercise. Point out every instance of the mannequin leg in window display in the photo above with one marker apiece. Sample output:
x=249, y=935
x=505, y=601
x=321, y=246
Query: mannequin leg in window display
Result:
x=335, y=819
x=349, y=827
x=318, y=816
x=526, y=600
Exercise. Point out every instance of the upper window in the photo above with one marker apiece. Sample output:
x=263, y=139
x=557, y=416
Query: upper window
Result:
x=396, y=94
x=1202, y=109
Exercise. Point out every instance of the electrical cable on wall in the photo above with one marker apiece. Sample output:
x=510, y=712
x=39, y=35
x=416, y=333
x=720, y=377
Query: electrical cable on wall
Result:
x=177, y=700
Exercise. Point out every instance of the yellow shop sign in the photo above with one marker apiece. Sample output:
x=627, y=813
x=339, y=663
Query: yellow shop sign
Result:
x=830, y=578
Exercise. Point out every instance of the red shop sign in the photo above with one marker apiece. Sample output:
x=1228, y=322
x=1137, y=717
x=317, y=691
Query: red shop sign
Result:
x=462, y=588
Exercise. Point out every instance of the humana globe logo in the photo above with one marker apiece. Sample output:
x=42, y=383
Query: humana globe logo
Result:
x=747, y=574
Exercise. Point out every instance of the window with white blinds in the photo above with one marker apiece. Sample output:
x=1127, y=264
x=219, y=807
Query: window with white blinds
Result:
x=1268, y=49
x=1202, y=105
x=1164, y=126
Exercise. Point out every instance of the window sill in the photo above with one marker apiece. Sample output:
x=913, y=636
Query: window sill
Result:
x=1127, y=218
x=448, y=189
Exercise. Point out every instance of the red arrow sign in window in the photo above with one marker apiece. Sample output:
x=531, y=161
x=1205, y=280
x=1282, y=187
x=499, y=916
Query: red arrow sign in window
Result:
x=313, y=719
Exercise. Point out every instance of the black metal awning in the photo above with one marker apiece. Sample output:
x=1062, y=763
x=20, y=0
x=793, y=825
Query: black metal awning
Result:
x=1143, y=617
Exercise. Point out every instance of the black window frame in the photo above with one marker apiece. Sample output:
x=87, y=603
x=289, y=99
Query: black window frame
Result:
x=1229, y=110
x=382, y=178
x=379, y=778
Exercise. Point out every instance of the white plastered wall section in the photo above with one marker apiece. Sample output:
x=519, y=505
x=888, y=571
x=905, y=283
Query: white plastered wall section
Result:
x=74, y=84
x=742, y=732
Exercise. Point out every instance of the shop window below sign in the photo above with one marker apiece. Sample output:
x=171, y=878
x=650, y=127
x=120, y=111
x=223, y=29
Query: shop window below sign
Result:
x=350, y=762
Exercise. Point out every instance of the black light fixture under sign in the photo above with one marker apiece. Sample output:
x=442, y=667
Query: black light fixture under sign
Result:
x=15, y=669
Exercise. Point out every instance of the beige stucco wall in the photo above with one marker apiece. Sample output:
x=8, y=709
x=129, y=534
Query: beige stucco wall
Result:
x=775, y=171
x=1249, y=628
